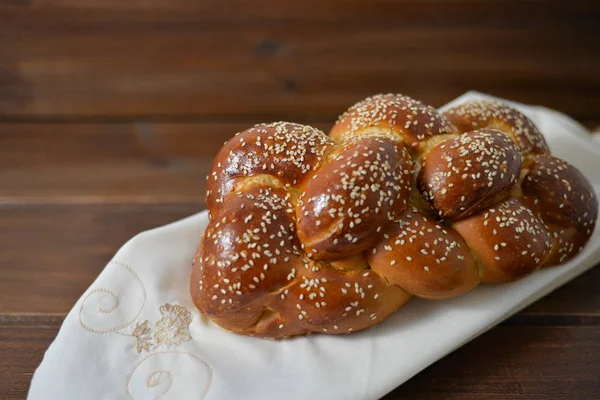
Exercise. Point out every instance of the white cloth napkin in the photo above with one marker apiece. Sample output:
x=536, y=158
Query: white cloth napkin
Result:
x=136, y=334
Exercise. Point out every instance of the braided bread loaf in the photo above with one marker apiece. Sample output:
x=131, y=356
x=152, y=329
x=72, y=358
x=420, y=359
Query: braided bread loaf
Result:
x=315, y=233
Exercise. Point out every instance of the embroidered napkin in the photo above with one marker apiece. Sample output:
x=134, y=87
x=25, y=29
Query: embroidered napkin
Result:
x=136, y=334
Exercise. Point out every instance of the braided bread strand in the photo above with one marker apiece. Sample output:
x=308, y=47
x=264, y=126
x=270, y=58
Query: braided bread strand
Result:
x=316, y=233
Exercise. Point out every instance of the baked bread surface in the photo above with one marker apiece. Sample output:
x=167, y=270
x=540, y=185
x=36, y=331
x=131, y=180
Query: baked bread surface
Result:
x=333, y=233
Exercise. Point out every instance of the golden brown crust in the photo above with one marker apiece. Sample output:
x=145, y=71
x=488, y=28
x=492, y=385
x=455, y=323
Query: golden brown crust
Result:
x=507, y=240
x=394, y=114
x=481, y=114
x=345, y=205
x=284, y=151
x=250, y=276
x=424, y=258
x=561, y=196
x=310, y=233
x=465, y=175
x=330, y=301
x=250, y=249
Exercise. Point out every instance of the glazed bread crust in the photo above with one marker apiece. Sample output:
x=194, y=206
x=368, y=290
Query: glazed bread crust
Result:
x=333, y=233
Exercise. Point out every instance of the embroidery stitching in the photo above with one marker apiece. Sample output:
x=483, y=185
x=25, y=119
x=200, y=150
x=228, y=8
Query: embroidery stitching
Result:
x=142, y=336
x=174, y=326
x=154, y=378
x=102, y=310
x=172, y=329
x=114, y=296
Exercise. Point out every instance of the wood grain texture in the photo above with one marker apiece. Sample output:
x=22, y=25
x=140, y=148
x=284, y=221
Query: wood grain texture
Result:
x=95, y=163
x=507, y=363
x=92, y=59
x=50, y=254
x=21, y=351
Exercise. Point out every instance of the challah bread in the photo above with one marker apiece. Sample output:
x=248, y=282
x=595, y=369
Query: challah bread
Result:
x=316, y=233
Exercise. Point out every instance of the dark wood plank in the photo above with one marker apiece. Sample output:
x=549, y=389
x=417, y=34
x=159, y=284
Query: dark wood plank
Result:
x=96, y=163
x=287, y=60
x=269, y=11
x=21, y=350
x=581, y=294
x=49, y=255
x=493, y=366
x=533, y=363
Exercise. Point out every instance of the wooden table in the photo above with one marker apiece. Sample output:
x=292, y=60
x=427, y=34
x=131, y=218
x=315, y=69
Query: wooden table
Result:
x=111, y=111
